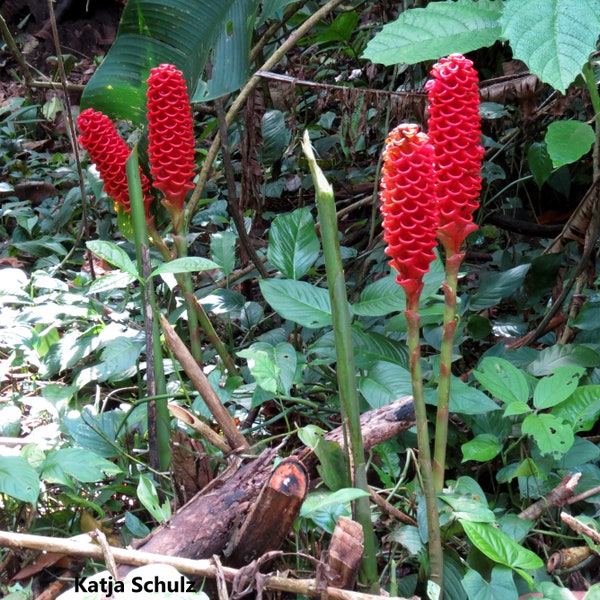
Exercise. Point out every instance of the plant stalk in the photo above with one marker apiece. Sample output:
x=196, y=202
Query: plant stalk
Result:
x=346, y=372
x=443, y=409
x=436, y=559
x=158, y=414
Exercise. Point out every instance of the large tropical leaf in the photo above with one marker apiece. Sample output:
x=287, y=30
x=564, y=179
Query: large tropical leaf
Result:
x=553, y=37
x=180, y=32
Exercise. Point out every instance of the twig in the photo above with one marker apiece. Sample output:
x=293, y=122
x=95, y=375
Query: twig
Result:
x=199, y=568
x=580, y=527
x=557, y=497
x=235, y=438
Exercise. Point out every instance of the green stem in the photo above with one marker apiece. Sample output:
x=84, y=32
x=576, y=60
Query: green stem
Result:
x=436, y=559
x=443, y=410
x=159, y=433
x=346, y=372
x=590, y=80
x=186, y=283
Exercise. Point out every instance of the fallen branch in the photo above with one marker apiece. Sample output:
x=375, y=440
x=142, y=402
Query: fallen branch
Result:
x=196, y=568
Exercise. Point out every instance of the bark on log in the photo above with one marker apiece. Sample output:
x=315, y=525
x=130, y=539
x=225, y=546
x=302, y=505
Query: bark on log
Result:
x=205, y=525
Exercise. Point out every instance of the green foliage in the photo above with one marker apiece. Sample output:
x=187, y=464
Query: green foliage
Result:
x=568, y=141
x=554, y=38
x=177, y=32
x=293, y=243
x=439, y=29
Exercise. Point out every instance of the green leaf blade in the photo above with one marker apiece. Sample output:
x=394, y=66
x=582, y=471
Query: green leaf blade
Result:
x=115, y=255
x=568, y=141
x=293, y=243
x=553, y=37
x=185, y=264
x=298, y=301
x=19, y=479
x=499, y=547
x=439, y=29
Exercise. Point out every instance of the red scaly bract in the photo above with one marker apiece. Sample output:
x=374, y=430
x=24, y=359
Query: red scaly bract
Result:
x=455, y=133
x=408, y=207
x=109, y=153
x=170, y=134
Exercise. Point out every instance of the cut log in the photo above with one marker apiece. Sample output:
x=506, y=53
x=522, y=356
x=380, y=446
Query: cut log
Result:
x=206, y=524
x=345, y=553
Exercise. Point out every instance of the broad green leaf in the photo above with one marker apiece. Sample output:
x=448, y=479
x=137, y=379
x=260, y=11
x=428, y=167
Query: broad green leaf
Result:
x=186, y=264
x=293, y=243
x=369, y=348
x=553, y=389
x=275, y=137
x=481, y=448
x=61, y=466
x=502, y=379
x=552, y=357
x=551, y=591
x=582, y=451
x=42, y=246
x=517, y=408
x=495, y=287
x=97, y=433
x=230, y=60
x=588, y=318
x=526, y=468
x=554, y=38
x=439, y=29
x=384, y=383
x=539, y=162
x=333, y=468
x=551, y=434
x=179, y=32
x=501, y=586
x=115, y=255
x=581, y=409
x=117, y=280
x=467, y=400
x=117, y=361
x=147, y=495
x=568, y=141
x=273, y=367
x=19, y=479
x=465, y=508
x=380, y=298
x=500, y=548
x=222, y=250
x=408, y=537
x=318, y=500
x=298, y=301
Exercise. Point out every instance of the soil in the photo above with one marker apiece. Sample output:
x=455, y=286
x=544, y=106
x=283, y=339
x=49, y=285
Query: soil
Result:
x=86, y=30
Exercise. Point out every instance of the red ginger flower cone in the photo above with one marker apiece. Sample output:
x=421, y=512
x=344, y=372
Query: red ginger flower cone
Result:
x=455, y=132
x=408, y=207
x=170, y=135
x=109, y=152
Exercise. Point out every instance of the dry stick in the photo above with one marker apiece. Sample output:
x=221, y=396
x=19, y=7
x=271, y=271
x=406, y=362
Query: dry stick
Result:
x=236, y=440
x=232, y=203
x=557, y=497
x=245, y=93
x=83, y=228
x=580, y=527
x=196, y=568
